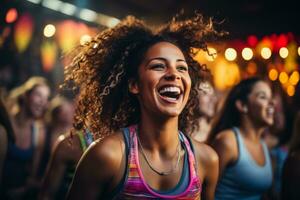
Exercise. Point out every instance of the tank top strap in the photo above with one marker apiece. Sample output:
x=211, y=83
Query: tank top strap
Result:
x=85, y=138
x=81, y=139
x=239, y=140
x=266, y=153
x=192, y=160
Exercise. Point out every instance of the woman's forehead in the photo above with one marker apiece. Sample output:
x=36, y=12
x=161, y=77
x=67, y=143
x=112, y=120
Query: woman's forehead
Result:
x=164, y=49
x=261, y=87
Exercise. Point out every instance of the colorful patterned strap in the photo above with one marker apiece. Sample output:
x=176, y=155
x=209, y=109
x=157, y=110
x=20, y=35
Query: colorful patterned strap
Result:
x=85, y=139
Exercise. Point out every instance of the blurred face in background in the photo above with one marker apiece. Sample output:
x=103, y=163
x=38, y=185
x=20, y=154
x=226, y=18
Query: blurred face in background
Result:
x=37, y=100
x=261, y=104
x=207, y=100
x=65, y=113
x=279, y=115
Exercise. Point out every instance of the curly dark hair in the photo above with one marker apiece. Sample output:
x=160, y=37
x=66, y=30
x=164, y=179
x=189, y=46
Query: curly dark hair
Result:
x=102, y=68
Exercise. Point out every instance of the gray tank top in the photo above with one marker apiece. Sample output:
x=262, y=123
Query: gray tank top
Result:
x=245, y=179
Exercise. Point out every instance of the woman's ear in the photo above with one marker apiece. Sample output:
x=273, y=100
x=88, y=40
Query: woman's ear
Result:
x=242, y=107
x=133, y=86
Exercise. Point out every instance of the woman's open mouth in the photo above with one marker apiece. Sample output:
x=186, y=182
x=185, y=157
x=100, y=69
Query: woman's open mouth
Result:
x=170, y=94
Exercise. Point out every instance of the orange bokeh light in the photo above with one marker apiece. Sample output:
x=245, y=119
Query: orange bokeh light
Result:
x=11, y=15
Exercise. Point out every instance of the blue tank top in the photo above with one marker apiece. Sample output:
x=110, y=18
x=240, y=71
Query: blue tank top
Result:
x=18, y=163
x=245, y=179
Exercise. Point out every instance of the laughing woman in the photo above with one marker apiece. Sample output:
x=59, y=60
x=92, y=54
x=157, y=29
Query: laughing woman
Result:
x=135, y=77
x=245, y=167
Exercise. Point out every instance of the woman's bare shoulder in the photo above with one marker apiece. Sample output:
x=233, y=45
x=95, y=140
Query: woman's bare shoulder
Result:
x=104, y=157
x=224, y=140
x=206, y=154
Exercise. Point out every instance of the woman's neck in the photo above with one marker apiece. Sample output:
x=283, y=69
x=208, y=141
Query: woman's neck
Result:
x=22, y=119
x=158, y=134
x=251, y=131
x=201, y=133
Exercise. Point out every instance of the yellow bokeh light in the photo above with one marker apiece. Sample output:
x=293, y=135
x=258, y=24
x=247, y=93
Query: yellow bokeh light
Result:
x=49, y=30
x=266, y=53
x=294, y=78
x=283, y=52
x=290, y=90
x=247, y=53
x=85, y=39
x=230, y=54
x=273, y=74
x=283, y=77
x=299, y=51
x=213, y=54
x=225, y=74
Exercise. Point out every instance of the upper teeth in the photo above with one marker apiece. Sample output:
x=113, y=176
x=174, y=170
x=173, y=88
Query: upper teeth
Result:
x=270, y=110
x=169, y=89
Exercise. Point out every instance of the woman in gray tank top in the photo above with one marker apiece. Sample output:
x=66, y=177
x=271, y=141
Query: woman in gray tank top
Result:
x=245, y=167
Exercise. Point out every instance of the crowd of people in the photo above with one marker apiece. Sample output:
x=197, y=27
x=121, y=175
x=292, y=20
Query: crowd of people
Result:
x=147, y=123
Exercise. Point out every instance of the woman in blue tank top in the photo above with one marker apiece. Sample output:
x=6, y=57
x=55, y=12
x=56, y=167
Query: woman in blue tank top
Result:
x=245, y=167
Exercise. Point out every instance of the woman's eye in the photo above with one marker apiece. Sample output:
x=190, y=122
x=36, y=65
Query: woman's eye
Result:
x=182, y=68
x=157, y=66
x=262, y=97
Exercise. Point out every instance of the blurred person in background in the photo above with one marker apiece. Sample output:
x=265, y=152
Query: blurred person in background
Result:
x=59, y=118
x=6, y=136
x=207, y=110
x=291, y=169
x=277, y=138
x=20, y=179
x=66, y=153
x=244, y=160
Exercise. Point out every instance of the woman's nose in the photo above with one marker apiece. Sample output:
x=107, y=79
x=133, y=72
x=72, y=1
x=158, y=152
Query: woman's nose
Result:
x=172, y=74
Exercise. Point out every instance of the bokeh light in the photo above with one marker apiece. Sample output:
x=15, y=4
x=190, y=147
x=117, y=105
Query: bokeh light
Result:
x=230, y=54
x=273, y=74
x=283, y=52
x=283, y=77
x=213, y=54
x=266, y=53
x=247, y=53
x=294, y=78
x=85, y=39
x=290, y=90
x=11, y=15
x=49, y=30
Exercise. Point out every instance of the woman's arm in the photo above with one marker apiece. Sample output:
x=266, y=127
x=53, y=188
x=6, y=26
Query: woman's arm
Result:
x=225, y=146
x=208, y=170
x=56, y=169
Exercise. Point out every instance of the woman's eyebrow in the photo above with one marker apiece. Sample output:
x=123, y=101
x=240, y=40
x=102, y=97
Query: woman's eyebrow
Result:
x=181, y=60
x=156, y=58
x=163, y=59
x=260, y=93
